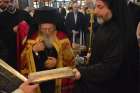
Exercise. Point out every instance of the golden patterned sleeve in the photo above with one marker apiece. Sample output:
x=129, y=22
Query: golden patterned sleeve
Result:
x=67, y=53
x=27, y=60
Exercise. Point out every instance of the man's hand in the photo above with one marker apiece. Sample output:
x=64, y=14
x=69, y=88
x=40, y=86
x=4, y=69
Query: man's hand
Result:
x=15, y=29
x=51, y=62
x=27, y=88
x=77, y=74
x=39, y=46
x=75, y=46
x=88, y=56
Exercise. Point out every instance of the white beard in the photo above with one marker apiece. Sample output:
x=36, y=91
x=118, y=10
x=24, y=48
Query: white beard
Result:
x=48, y=42
x=100, y=20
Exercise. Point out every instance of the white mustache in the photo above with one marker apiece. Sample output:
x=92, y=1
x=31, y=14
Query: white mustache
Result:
x=48, y=42
x=100, y=20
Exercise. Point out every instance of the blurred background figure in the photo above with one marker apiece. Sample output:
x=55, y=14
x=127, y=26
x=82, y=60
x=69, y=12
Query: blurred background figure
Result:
x=30, y=10
x=1, y=2
x=138, y=36
x=62, y=12
x=134, y=10
x=14, y=27
x=70, y=9
x=75, y=23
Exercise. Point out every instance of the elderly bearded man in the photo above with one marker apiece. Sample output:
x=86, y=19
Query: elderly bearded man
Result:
x=48, y=49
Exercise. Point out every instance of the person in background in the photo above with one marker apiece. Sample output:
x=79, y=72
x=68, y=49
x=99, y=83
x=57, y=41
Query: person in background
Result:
x=11, y=18
x=138, y=37
x=75, y=23
x=81, y=9
x=1, y=2
x=138, y=34
x=91, y=24
x=4, y=4
x=62, y=12
x=70, y=9
x=30, y=10
x=134, y=10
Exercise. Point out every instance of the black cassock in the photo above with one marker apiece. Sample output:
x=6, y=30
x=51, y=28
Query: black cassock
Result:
x=7, y=22
x=3, y=51
x=49, y=86
x=106, y=71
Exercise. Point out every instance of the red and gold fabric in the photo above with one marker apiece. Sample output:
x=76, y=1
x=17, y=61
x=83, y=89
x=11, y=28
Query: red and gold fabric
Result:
x=65, y=59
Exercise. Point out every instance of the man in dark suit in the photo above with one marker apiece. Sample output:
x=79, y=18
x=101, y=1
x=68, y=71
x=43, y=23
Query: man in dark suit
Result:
x=62, y=12
x=75, y=22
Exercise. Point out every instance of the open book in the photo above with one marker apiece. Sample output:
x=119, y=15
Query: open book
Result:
x=47, y=75
x=10, y=79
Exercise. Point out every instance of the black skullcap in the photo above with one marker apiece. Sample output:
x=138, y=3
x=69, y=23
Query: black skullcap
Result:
x=48, y=15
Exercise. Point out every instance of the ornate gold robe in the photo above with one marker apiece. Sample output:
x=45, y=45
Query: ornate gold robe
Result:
x=65, y=57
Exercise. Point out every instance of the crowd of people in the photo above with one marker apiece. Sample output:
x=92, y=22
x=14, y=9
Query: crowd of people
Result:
x=45, y=38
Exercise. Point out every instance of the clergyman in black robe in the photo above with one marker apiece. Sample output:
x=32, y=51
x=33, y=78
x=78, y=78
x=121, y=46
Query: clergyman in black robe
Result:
x=113, y=62
x=49, y=86
x=8, y=20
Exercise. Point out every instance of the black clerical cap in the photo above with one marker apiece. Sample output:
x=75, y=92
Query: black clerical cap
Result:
x=108, y=2
x=122, y=17
x=48, y=15
x=119, y=10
